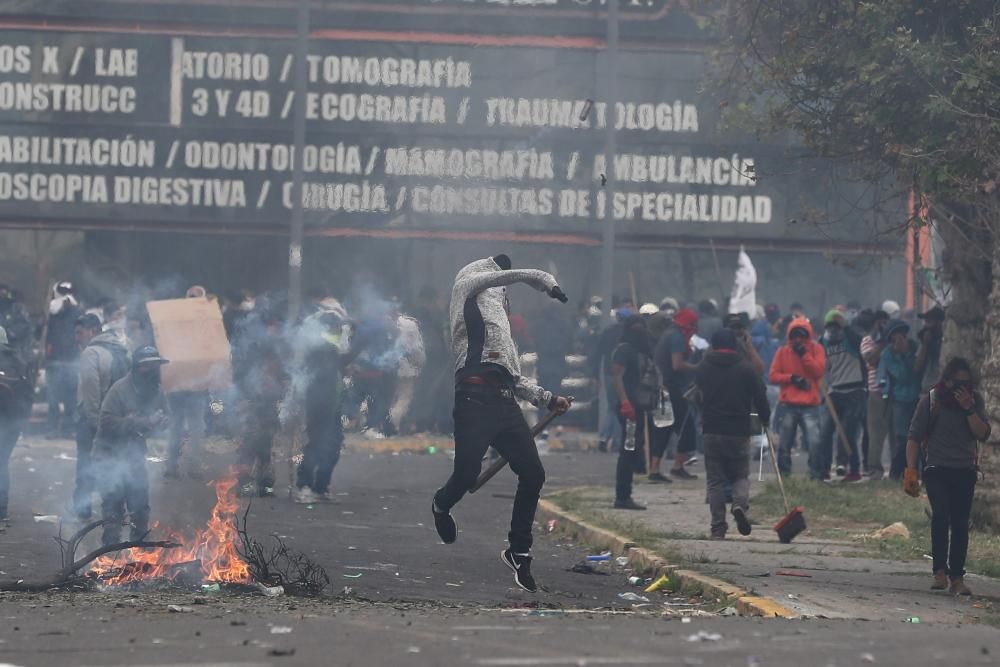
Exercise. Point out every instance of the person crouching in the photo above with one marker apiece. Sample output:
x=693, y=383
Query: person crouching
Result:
x=133, y=408
x=730, y=389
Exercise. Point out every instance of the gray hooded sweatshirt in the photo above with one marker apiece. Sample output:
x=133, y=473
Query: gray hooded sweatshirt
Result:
x=96, y=374
x=480, y=331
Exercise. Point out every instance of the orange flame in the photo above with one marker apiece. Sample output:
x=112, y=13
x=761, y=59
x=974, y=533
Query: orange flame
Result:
x=214, y=547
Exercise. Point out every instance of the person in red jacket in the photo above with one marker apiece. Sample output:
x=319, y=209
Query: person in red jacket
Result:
x=798, y=368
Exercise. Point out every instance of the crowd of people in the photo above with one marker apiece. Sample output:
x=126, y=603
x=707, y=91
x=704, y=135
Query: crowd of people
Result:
x=861, y=392
x=376, y=370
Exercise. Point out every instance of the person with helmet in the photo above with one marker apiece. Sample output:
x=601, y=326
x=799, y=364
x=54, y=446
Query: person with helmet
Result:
x=133, y=408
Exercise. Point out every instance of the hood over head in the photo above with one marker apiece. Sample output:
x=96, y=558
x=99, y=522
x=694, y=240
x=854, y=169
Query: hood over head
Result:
x=487, y=265
x=801, y=323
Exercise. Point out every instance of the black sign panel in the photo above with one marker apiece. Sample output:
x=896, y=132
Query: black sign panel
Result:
x=403, y=131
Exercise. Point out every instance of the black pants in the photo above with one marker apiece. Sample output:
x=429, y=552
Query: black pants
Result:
x=61, y=380
x=632, y=462
x=685, y=426
x=485, y=416
x=324, y=440
x=124, y=488
x=379, y=390
x=85, y=485
x=10, y=431
x=260, y=425
x=950, y=491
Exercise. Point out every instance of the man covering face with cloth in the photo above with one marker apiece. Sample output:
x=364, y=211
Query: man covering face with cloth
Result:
x=487, y=381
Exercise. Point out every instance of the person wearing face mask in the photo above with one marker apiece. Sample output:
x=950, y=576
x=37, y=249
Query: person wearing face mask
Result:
x=845, y=380
x=948, y=424
x=133, y=409
x=900, y=384
x=798, y=368
x=673, y=357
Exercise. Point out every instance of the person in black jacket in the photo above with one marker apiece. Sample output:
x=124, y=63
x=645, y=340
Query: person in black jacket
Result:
x=730, y=391
x=15, y=407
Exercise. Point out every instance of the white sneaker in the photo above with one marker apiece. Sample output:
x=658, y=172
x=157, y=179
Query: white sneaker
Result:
x=305, y=496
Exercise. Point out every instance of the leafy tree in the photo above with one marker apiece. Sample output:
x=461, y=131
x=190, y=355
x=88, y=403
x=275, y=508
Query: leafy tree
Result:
x=907, y=90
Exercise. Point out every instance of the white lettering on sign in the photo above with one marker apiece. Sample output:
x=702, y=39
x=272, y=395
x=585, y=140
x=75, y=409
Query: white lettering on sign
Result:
x=482, y=201
x=471, y=164
x=543, y=112
x=116, y=62
x=376, y=108
x=150, y=191
x=53, y=188
x=15, y=59
x=671, y=207
x=69, y=97
x=347, y=197
x=77, y=151
x=389, y=72
x=225, y=66
x=252, y=156
x=682, y=169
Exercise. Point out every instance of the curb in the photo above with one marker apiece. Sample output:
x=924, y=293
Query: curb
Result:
x=746, y=603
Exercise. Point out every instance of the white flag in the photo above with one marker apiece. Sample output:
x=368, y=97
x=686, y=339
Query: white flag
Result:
x=743, y=298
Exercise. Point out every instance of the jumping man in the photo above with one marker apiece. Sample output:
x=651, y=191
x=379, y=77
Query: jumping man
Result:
x=487, y=380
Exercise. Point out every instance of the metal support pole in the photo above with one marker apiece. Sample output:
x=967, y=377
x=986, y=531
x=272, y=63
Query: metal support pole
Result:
x=610, y=148
x=299, y=139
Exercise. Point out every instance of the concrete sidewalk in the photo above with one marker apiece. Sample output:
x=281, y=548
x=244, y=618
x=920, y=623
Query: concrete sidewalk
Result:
x=837, y=579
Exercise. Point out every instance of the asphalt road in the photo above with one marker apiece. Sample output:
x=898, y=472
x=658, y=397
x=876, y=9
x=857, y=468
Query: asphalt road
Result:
x=417, y=601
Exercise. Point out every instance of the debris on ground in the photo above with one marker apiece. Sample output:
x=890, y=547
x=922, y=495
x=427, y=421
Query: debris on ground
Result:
x=211, y=588
x=867, y=657
x=659, y=584
x=792, y=573
x=897, y=529
x=281, y=652
x=271, y=591
x=632, y=597
x=599, y=558
x=178, y=609
x=46, y=518
x=585, y=568
x=280, y=630
x=622, y=561
x=702, y=636
x=551, y=525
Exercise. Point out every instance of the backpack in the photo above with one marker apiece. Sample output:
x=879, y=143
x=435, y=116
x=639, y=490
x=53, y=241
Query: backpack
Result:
x=119, y=360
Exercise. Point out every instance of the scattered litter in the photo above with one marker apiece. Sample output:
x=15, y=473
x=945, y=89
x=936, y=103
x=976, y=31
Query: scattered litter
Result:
x=600, y=558
x=47, y=518
x=413, y=649
x=155, y=459
x=897, y=529
x=281, y=652
x=355, y=576
x=584, y=568
x=309, y=507
x=659, y=584
x=729, y=611
x=632, y=597
x=867, y=657
x=686, y=619
x=793, y=596
x=352, y=548
x=178, y=609
x=454, y=585
x=636, y=581
x=271, y=591
x=211, y=588
x=551, y=525
x=912, y=619
x=432, y=449
x=280, y=630
x=63, y=456
x=702, y=636
x=928, y=557
x=622, y=561
x=792, y=573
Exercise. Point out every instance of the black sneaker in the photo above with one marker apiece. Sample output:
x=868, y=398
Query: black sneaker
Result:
x=521, y=565
x=628, y=504
x=602, y=446
x=742, y=522
x=681, y=473
x=659, y=478
x=446, y=528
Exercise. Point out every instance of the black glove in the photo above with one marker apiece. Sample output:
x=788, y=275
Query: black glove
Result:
x=799, y=349
x=557, y=294
x=800, y=382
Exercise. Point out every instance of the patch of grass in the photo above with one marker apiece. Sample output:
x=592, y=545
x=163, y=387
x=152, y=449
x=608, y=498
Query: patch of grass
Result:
x=847, y=511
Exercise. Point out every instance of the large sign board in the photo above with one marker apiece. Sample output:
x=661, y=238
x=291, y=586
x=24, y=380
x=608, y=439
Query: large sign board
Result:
x=403, y=132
